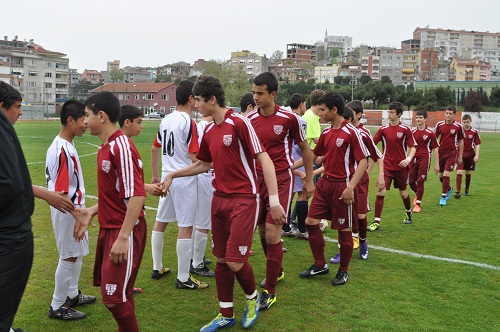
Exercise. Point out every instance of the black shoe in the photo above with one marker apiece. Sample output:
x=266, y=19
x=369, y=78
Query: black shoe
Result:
x=18, y=330
x=206, y=261
x=66, y=313
x=466, y=193
x=80, y=299
x=158, y=274
x=266, y=300
x=458, y=195
x=313, y=271
x=340, y=278
x=191, y=283
x=202, y=270
x=281, y=276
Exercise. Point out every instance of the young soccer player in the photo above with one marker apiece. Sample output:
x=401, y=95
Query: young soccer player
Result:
x=122, y=233
x=396, y=140
x=247, y=104
x=64, y=174
x=231, y=144
x=277, y=128
x=450, y=134
x=335, y=197
x=420, y=165
x=472, y=144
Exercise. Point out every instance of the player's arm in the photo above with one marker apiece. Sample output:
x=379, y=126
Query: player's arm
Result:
x=153, y=189
x=477, y=149
x=460, y=151
x=119, y=250
x=348, y=194
x=83, y=221
x=277, y=212
x=380, y=175
x=58, y=200
x=436, y=159
x=405, y=162
x=305, y=150
x=155, y=155
x=198, y=167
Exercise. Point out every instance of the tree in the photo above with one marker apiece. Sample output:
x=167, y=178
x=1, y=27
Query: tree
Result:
x=495, y=97
x=444, y=96
x=365, y=79
x=116, y=75
x=277, y=56
x=473, y=102
x=234, y=79
x=334, y=53
x=163, y=78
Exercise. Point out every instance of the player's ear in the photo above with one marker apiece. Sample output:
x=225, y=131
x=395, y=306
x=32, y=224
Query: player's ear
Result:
x=127, y=122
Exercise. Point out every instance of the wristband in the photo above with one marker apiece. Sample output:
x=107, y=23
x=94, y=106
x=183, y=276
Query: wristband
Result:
x=274, y=200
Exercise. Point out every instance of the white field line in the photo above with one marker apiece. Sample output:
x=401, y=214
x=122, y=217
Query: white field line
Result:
x=80, y=156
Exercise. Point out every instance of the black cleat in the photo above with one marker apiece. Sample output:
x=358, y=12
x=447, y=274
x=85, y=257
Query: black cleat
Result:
x=340, y=278
x=158, y=274
x=266, y=300
x=466, y=193
x=80, y=299
x=66, y=313
x=313, y=271
x=191, y=283
x=458, y=195
x=202, y=270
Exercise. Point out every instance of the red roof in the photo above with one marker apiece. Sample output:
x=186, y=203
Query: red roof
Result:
x=133, y=87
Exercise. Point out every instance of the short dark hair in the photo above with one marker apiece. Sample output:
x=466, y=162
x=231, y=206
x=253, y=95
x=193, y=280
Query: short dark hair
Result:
x=396, y=106
x=71, y=108
x=207, y=86
x=268, y=79
x=466, y=117
x=331, y=100
x=129, y=112
x=451, y=108
x=246, y=100
x=184, y=90
x=422, y=113
x=356, y=106
x=104, y=101
x=314, y=97
x=8, y=95
x=348, y=113
x=296, y=99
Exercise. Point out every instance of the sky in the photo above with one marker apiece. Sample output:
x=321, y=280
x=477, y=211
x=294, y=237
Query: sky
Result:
x=158, y=32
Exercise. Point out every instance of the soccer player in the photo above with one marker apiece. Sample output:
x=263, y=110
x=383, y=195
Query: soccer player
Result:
x=396, y=139
x=64, y=174
x=247, y=104
x=420, y=165
x=472, y=144
x=177, y=140
x=231, y=144
x=123, y=229
x=277, y=128
x=335, y=197
x=450, y=134
x=312, y=119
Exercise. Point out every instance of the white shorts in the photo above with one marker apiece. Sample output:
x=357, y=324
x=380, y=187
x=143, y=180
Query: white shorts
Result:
x=205, y=195
x=180, y=203
x=63, y=225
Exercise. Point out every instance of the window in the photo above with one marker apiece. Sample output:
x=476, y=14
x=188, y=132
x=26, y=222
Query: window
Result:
x=127, y=97
x=60, y=86
x=48, y=85
x=32, y=95
x=120, y=96
x=48, y=64
x=164, y=97
x=48, y=95
x=32, y=73
x=136, y=96
x=58, y=75
x=172, y=108
x=162, y=109
x=148, y=96
x=32, y=84
x=48, y=74
x=32, y=62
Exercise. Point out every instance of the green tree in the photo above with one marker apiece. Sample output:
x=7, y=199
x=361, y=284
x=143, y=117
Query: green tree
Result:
x=163, y=78
x=116, y=75
x=234, y=79
x=495, y=97
x=365, y=79
x=444, y=96
x=473, y=102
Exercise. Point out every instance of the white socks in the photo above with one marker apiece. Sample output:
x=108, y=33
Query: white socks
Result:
x=75, y=278
x=183, y=258
x=63, y=275
x=157, y=250
x=199, y=245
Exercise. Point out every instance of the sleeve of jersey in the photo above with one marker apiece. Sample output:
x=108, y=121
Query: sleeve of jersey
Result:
x=128, y=168
x=461, y=134
x=411, y=140
x=157, y=141
x=477, y=139
x=360, y=151
x=204, y=152
x=193, y=146
x=319, y=149
x=374, y=151
x=62, y=177
x=296, y=129
x=248, y=137
x=434, y=142
x=378, y=136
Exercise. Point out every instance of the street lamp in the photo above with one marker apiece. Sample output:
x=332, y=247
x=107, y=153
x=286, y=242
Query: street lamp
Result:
x=353, y=82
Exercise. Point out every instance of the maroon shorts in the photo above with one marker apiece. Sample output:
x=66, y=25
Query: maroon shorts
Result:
x=234, y=218
x=117, y=280
x=327, y=205
x=468, y=163
x=419, y=169
x=400, y=178
x=362, y=190
x=447, y=160
x=285, y=190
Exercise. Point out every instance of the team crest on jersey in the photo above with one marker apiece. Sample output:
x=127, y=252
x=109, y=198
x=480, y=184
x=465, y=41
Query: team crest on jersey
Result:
x=470, y=136
x=341, y=221
x=227, y=139
x=400, y=135
x=278, y=129
x=452, y=131
x=425, y=137
x=106, y=166
x=339, y=142
x=243, y=250
x=110, y=289
x=423, y=176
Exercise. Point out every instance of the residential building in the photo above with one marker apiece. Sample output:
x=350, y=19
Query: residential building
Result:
x=409, y=68
x=137, y=74
x=149, y=97
x=391, y=63
x=93, y=76
x=113, y=65
x=471, y=69
x=252, y=63
x=410, y=46
x=341, y=43
x=370, y=66
x=73, y=76
x=350, y=69
x=325, y=73
x=298, y=53
x=428, y=60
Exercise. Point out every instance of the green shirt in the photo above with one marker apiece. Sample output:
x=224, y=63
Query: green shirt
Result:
x=313, y=129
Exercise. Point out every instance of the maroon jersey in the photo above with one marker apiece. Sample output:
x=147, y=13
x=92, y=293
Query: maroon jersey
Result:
x=232, y=147
x=119, y=177
x=369, y=143
x=341, y=148
x=449, y=135
x=426, y=142
x=395, y=143
x=277, y=132
x=471, y=139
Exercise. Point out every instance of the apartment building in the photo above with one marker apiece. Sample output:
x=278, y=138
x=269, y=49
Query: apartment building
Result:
x=325, y=73
x=341, y=43
x=298, y=53
x=470, y=70
x=252, y=63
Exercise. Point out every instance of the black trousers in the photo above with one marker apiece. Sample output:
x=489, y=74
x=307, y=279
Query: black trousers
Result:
x=15, y=269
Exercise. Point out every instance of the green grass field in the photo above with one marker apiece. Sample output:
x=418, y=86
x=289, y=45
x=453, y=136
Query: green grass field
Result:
x=440, y=273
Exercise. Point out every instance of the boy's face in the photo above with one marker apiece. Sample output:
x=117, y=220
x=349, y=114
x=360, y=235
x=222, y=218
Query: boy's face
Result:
x=134, y=128
x=449, y=115
x=466, y=123
x=392, y=115
x=93, y=121
x=420, y=120
x=262, y=97
x=13, y=112
x=79, y=126
x=204, y=107
x=326, y=114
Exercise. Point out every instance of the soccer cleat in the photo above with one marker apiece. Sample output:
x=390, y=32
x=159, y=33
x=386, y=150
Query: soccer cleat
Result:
x=374, y=226
x=407, y=219
x=415, y=200
x=80, y=299
x=302, y=236
x=442, y=201
x=219, y=322
x=335, y=259
x=363, y=251
x=289, y=233
x=416, y=208
x=191, y=283
x=450, y=191
x=340, y=278
x=206, y=261
x=313, y=271
x=137, y=290
x=458, y=195
x=266, y=300
x=466, y=193
x=355, y=242
x=280, y=277
x=158, y=274
x=66, y=313
x=251, y=312
x=202, y=270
